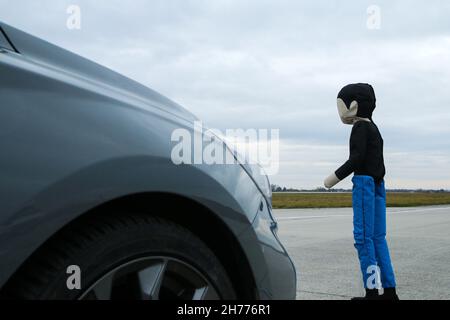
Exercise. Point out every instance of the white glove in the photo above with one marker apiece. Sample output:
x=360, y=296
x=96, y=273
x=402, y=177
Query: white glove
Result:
x=331, y=181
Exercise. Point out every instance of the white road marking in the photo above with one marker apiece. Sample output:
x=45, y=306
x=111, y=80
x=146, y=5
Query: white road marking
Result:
x=314, y=217
x=350, y=215
x=421, y=210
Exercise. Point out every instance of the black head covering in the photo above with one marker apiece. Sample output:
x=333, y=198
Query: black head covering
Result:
x=364, y=94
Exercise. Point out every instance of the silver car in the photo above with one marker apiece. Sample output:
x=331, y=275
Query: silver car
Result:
x=92, y=205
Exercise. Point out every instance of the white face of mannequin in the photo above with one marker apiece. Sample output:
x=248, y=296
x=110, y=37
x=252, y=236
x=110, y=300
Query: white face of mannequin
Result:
x=348, y=115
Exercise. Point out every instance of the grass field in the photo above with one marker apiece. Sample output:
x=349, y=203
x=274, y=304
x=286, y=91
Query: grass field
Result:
x=338, y=200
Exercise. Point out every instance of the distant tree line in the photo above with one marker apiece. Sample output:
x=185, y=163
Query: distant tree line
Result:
x=277, y=188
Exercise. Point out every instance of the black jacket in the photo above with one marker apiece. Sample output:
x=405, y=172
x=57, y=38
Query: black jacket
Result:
x=366, y=153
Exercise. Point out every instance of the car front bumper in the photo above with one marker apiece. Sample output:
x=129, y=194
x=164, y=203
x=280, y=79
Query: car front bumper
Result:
x=274, y=271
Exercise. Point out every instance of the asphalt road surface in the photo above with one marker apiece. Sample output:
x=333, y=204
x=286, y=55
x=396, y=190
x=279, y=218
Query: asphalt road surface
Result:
x=320, y=242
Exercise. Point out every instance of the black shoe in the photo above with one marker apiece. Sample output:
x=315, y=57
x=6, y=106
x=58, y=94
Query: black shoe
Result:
x=371, y=294
x=389, y=294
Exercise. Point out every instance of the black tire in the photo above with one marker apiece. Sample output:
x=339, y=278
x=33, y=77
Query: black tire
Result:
x=100, y=244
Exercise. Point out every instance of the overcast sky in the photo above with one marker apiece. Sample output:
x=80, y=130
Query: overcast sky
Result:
x=279, y=64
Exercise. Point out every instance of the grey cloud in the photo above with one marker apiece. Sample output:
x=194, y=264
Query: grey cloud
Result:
x=278, y=64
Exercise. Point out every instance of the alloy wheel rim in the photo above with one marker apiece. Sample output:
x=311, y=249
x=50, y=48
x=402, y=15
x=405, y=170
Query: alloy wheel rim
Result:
x=152, y=278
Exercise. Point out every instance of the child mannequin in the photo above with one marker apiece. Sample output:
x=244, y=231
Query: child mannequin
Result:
x=356, y=103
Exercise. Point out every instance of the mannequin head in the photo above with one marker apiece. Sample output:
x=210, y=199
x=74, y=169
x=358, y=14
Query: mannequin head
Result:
x=355, y=102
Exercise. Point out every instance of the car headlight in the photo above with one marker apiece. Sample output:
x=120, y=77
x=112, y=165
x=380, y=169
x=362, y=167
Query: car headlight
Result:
x=255, y=171
x=262, y=181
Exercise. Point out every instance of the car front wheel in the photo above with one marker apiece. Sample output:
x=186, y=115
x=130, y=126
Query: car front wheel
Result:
x=125, y=256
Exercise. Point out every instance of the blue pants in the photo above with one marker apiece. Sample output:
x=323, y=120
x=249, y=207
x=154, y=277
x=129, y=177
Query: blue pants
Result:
x=369, y=230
